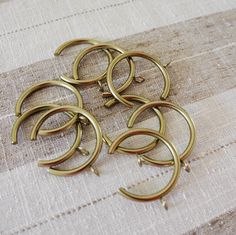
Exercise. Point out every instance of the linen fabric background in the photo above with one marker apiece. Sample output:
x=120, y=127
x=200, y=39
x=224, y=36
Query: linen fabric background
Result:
x=198, y=37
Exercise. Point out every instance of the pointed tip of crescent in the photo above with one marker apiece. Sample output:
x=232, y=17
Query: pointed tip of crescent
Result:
x=18, y=114
x=33, y=138
x=56, y=53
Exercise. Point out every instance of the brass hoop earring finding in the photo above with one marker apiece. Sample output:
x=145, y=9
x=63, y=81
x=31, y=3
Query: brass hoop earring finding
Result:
x=79, y=42
x=76, y=80
x=44, y=84
x=156, y=104
x=132, y=54
x=97, y=129
x=143, y=149
x=176, y=163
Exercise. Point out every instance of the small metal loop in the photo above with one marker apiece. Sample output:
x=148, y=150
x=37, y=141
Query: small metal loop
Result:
x=157, y=104
x=83, y=151
x=132, y=54
x=140, y=160
x=83, y=120
x=94, y=170
x=76, y=81
x=42, y=85
x=97, y=129
x=101, y=88
x=186, y=166
x=164, y=203
x=35, y=110
x=139, y=150
x=139, y=79
x=176, y=163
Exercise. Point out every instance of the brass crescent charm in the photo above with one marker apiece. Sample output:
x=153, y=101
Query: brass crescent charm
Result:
x=176, y=163
x=132, y=54
x=97, y=129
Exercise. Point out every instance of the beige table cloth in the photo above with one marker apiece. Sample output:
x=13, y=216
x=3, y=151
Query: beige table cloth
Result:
x=199, y=38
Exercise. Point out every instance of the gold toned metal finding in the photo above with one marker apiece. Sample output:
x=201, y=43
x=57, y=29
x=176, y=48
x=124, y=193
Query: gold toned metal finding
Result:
x=83, y=151
x=76, y=81
x=132, y=54
x=157, y=104
x=65, y=156
x=143, y=149
x=76, y=110
x=34, y=110
x=44, y=84
x=68, y=154
x=75, y=42
x=175, y=163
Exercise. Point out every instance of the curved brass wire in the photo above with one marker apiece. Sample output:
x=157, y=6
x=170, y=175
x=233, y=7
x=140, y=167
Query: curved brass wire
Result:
x=68, y=154
x=143, y=149
x=132, y=54
x=176, y=163
x=97, y=129
x=34, y=110
x=75, y=42
x=44, y=84
x=156, y=104
x=77, y=81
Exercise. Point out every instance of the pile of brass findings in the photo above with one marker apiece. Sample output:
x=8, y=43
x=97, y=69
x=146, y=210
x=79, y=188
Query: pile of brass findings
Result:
x=79, y=117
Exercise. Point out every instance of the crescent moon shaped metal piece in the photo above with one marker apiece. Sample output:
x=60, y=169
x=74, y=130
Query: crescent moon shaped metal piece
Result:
x=132, y=54
x=76, y=42
x=156, y=104
x=44, y=84
x=97, y=129
x=77, y=81
x=143, y=149
x=34, y=110
x=176, y=164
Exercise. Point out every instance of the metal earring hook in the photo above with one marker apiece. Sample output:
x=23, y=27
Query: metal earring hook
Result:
x=143, y=149
x=175, y=163
x=192, y=139
x=79, y=111
x=132, y=54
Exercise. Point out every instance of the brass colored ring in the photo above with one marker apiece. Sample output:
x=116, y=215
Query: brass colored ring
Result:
x=132, y=54
x=75, y=42
x=44, y=84
x=97, y=129
x=77, y=81
x=143, y=149
x=31, y=111
x=156, y=104
x=176, y=163
x=67, y=155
